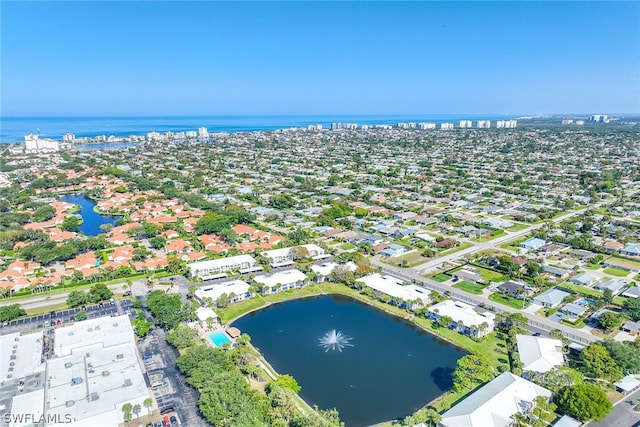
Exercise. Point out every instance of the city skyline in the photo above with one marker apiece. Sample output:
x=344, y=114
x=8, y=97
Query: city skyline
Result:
x=212, y=58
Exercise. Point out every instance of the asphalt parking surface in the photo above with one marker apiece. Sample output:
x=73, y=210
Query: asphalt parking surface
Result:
x=176, y=394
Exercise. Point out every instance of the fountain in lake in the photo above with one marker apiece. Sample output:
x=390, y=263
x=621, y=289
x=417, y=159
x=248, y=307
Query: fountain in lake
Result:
x=333, y=340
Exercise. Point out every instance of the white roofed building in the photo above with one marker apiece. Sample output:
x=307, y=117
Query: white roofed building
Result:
x=404, y=295
x=235, y=290
x=464, y=318
x=209, y=269
x=539, y=354
x=281, y=281
x=495, y=403
x=287, y=255
x=324, y=270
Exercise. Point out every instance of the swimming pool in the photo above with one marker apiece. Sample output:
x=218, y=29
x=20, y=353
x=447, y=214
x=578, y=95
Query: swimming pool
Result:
x=219, y=338
x=586, y=301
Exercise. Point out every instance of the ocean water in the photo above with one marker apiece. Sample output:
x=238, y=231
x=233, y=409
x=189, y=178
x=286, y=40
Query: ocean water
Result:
x=13, y=129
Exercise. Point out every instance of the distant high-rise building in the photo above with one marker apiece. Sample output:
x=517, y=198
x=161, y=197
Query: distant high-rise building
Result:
x=506, y=124
x=203, y=132
x=465, y=124
x=191, y=134
x=426, y=125
x=567, y=122
x=580, y=122
x=599, y=118
x=34, y=144
x=446, y=126
x=68, y=137
x=484, y=124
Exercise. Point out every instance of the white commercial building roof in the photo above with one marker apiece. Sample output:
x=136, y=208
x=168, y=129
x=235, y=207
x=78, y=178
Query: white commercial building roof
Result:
x=238, y=287
x=460, y=311
x=538, y=353
x=106, y=330
x=286, y=277
x=495, y=403
x=20, y=355
x=328, y=267
x=394, y=287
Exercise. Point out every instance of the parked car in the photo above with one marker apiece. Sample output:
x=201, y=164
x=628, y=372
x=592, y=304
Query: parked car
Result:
x=166, y=410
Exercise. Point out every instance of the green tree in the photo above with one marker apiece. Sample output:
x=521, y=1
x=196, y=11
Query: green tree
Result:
x=141, y=326
x=632, y=308
x=71, y=223
x=136, y=410
x=99, y=293
x=585, y=402
x=11, y=312
x=81, y=315
x=288, y=382
x=607, y=296
x=182, y=336
x=126, y=412
x=598, y=363
x=77, y=299
x=626, y=354
x=610, y=321
x=471, y=370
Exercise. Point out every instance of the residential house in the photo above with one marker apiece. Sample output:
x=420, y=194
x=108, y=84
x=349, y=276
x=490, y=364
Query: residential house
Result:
x=614, y=285
x=532, y=244
x=632, y=292
x=539, y=354
x=285, y=256
x=558, y=273
x=323, y=271
x=281, y=281
x=621, y=264
x=446, y=243
x=464, y=317
x=495, y=403
x=404, y=295
x=585, y=279
x=550, y=298
x=632, y=328
x=631, y=250
x=234, y=290
x=574, y=311
x=517, y=289
x=394, y=250
x=209, y=269
x=468, y=274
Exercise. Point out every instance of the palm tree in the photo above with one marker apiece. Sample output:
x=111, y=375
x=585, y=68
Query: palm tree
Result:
x=136, y=410
x=148, y=403
x=483, y=327
x=209, y=322
x=433, y=417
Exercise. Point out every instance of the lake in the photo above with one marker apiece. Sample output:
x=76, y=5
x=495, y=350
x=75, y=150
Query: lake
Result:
x=91, y=220
x=392, y=368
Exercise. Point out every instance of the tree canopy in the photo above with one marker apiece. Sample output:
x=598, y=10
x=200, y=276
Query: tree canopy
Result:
x=585, y=402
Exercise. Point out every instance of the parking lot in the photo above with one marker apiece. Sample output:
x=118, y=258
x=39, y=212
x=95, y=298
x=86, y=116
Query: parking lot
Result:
x=160, y=365
x=61, y=317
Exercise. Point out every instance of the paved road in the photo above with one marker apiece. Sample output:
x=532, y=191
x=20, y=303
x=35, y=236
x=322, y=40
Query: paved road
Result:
x=541, y=324
x=622, y=414
x=45, y=300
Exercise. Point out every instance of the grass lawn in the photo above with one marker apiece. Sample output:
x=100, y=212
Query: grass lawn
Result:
x=462, y=246
x=488, y=275
x=513, y=244
x=581, y=289
x=228, y=313
x=518, y=226
x=509, y=301
x=472, y=288
x=628, y=261
x=413, y=258
x=347, y=246
x=616, y=272
x=494, y=235
x=47, y=309
x=293, y=293
x=440, y=277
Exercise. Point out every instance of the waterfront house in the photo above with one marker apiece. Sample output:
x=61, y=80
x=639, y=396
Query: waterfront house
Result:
x=539, y=354
x=464, y=318
x=281, y=281
x=495, y=403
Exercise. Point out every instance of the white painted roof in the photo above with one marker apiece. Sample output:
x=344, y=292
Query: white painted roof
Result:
x=394, y=287
x=495, y=403
x=204, y=313
x=282, y=277
x=539, y=354
x=213, y=291
x=460, y=311
x=105, y=330
x=328, y=267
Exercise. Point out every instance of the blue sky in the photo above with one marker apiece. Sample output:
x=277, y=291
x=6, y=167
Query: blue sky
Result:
x=145, y=58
